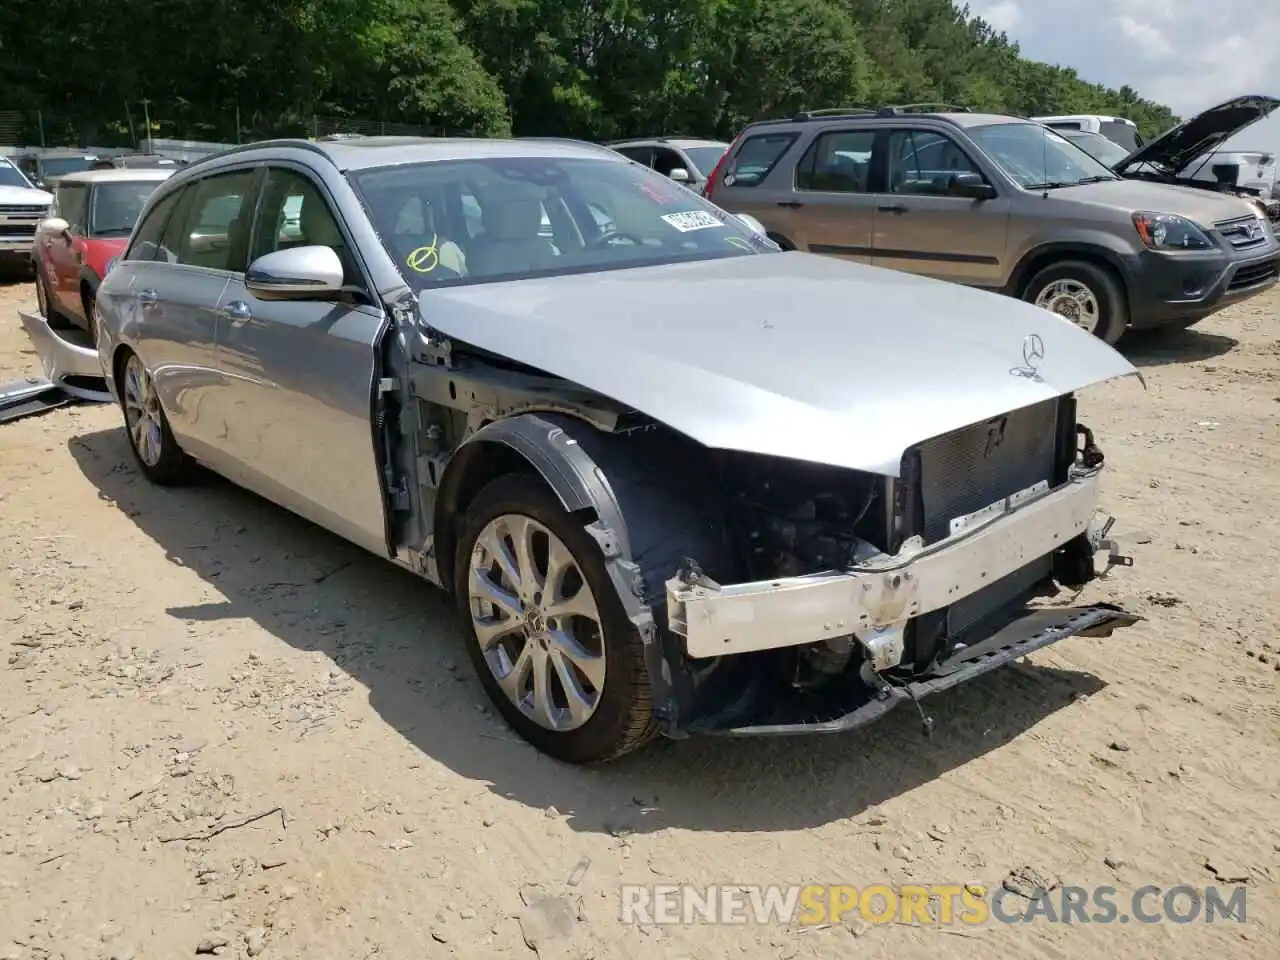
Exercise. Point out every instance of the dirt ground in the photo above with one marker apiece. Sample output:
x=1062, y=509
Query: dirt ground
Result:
x=179, y=662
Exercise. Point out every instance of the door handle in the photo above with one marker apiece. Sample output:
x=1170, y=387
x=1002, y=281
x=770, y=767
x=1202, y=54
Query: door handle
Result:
x=148, y=298
x=790, y=204
x=237, y=311
x=892, y=208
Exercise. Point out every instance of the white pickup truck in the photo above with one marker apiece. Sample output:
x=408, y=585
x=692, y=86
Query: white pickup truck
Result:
x=22, y=206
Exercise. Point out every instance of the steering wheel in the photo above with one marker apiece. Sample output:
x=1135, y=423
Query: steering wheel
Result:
x=606, y=239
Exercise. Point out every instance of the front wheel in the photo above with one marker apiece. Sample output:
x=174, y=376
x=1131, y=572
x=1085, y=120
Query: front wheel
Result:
x=1083, y=293
x=154, y=448
x=548, y=635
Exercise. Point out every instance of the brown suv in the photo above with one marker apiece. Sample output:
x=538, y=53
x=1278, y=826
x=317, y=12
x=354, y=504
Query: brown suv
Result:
x=998, y=202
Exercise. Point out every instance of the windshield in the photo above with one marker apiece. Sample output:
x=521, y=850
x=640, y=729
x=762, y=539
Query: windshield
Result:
x=705, y=158
x=1097, y=146
x=485, y=220
x=1036, y=157
x=116, y=207
x=61, y=166
x=11, y=176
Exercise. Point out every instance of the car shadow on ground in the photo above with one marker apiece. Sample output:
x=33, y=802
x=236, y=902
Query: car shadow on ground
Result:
x=1156, y=348
x=397, y=637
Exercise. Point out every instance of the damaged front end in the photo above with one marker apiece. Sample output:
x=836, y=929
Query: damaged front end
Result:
x=877, y=591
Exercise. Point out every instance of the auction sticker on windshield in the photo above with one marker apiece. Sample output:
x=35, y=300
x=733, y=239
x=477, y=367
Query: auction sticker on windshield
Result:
x=693, y=220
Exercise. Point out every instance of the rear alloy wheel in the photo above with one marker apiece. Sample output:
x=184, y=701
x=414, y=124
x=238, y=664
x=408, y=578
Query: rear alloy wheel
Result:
x=549, y=638
x=150, y=438
x=1082, y=293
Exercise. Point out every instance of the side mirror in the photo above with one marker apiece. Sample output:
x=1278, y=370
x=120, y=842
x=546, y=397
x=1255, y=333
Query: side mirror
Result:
x=56, y=226
x=752, y=223
x=970, y=185
x=680, y=175
x=299, y=273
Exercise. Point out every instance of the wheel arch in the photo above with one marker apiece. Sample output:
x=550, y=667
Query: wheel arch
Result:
x=1036, y=259
x=594, y=476
x=545, y=445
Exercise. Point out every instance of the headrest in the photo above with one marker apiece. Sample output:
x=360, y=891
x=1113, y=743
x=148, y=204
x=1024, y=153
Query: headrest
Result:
x=511, y=210
x=317, y=223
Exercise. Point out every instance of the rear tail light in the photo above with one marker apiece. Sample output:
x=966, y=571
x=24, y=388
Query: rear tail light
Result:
x=724, y=158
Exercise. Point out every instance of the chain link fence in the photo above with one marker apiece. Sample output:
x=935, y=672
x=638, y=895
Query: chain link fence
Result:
x=133, y=123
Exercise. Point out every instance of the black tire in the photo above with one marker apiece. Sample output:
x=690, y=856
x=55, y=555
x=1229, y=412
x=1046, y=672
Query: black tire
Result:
x=623, y=718
x=173, y=467
x=87, y=300
x=1113, y=314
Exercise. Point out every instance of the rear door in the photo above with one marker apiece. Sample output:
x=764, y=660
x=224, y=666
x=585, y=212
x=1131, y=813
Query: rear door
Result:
x=295, y=420
x=923, y=227
x=834, y=207
x=204, y=244
x=756, y=179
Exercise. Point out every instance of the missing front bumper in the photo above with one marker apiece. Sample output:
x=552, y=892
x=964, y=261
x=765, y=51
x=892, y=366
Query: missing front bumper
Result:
x=1027, y=631
x=884, y=592
x=74, y=367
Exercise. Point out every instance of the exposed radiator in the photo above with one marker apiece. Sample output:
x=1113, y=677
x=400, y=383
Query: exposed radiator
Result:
x=970, y=468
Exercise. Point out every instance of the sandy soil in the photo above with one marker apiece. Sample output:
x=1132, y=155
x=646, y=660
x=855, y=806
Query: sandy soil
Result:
x=179, y=662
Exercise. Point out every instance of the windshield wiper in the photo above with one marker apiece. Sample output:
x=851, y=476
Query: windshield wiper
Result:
x=1100, y=178
x=1048, y=185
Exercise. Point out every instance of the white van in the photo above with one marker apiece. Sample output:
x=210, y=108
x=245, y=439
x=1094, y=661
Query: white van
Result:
x=1116, y=129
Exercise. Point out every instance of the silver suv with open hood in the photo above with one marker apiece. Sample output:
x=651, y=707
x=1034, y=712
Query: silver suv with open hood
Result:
x=676, y=479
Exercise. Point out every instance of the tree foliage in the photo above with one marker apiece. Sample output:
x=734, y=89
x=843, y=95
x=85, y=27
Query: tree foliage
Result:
x=590, y=68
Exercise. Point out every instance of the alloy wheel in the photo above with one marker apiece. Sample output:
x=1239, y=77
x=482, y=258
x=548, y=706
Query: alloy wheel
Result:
x=537, y=622
x=1071, y=300
x=142, y=412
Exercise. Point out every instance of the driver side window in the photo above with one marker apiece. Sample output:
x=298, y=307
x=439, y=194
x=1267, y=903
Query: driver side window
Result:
x=71, y=205
x=922, y=162
x=294, y=213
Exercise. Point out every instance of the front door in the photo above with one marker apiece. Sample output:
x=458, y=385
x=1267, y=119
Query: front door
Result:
x=66, y=252
x=922, y=227
x=296, y=419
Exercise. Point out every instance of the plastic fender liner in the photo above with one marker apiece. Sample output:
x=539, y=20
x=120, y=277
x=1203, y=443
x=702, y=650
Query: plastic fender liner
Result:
x=586, y=468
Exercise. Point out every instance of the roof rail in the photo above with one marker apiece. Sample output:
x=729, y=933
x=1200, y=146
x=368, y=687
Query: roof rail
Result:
x=662, y=139
x=830, y=112
x=901, y=108
x=296, y=142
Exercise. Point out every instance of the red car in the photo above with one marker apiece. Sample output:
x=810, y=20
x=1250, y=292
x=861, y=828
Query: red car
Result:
x=88, y=226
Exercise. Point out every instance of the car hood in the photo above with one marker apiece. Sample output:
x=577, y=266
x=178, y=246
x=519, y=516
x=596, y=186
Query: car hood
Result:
x=1176, y=148
x=24, y=196
x=790, y=355
x=1205, y=207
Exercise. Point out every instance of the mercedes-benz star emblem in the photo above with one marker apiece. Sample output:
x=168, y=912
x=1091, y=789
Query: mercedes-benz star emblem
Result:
x=1032, y=355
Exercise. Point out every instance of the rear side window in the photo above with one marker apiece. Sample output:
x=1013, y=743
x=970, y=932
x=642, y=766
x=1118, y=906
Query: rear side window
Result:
x=638, y=154
x=147, y=239
x=756, y=158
